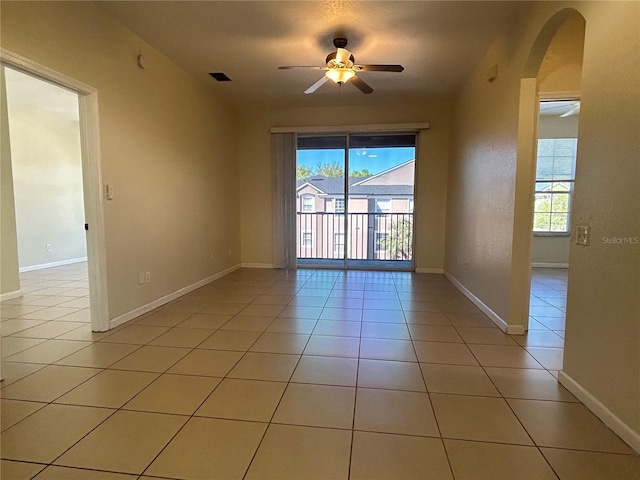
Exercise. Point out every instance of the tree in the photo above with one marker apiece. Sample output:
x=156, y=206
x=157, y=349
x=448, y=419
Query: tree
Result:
x=329, y=169
x=302, y=172
x=551, y=211
x=398, y=242
x=360, y=173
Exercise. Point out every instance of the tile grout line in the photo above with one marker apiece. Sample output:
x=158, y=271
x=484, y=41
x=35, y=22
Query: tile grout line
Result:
x=201, y=403
x=355, y=397
x=274, y=410
x=299, y=359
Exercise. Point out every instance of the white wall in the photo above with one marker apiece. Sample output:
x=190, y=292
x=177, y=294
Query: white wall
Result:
x=47, y=171
x=167, y=145
x=550, y=126
x=550, y=251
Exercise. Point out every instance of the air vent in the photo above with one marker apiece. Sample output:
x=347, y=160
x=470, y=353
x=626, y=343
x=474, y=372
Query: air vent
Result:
x=221, y=77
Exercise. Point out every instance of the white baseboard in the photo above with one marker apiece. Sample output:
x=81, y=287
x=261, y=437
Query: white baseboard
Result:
x=429, y=270
x=495, y=318
x=610, y=419
x=257, y=265
x=550, y=265
x=135, y=313
x=60, y=263
x=10, y=295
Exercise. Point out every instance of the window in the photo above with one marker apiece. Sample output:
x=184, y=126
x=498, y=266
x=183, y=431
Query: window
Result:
x=555, y=176
x=383, y=205
x=307, y=203
x=307, y=239
x=338, y=244
x=411, y=205
x=339, y=205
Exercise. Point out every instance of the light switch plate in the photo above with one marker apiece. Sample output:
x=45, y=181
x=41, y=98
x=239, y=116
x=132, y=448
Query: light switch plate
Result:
x=582, y=235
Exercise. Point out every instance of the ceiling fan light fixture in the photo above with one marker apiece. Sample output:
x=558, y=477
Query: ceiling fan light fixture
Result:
x=341, y=68
x=340, y=75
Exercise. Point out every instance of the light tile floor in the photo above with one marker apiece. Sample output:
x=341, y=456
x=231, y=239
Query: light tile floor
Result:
x=309, y=374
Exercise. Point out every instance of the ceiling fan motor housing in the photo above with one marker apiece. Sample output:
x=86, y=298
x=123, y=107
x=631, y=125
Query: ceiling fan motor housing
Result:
x=340, y=42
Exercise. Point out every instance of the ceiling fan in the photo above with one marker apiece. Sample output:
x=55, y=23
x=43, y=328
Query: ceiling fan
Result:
x=341, y=68
x=575, y=110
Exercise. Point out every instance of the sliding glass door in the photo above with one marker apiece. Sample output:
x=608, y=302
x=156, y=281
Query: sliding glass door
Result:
x=380, y=192
x=320, y=175
x=354, y=197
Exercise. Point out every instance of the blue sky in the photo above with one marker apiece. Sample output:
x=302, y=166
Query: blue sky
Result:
x=375, y=160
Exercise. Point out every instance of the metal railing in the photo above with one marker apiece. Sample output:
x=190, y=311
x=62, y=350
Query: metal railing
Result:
x=364, y=236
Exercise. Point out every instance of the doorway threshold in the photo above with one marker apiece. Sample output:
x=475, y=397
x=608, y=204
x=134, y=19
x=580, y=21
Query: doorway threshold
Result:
x=391, y=265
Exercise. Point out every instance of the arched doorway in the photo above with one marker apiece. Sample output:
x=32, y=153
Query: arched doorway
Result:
x=552, y=72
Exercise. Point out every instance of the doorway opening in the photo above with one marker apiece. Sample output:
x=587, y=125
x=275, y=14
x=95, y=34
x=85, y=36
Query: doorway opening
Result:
x=553, y=72
x=553, y=192
x=83, y=276
x=355, y=201
x=45, y=162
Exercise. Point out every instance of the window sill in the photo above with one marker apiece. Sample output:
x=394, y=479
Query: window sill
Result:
x=551, y=234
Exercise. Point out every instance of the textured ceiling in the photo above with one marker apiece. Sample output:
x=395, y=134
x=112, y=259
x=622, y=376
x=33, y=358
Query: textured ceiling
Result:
x=438, y=43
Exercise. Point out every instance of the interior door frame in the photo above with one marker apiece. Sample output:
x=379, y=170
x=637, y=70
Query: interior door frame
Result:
x=540, y=98
x=91, y=178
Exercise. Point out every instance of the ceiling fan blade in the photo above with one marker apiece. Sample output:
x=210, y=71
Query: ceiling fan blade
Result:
x=574, y=111
x=343, y=55
x=378, y=68
x=316, y=85
x=290, y=67
x=361, y=85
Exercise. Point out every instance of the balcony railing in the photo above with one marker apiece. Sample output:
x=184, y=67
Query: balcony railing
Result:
x=365, y=236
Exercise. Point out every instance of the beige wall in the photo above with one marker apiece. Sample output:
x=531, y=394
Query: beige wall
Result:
x=9, y=278
x=481, y=180
x=603, y=327
x=561, y=67
x=431, y=169
x=47, y=171
x=603, y=319
x=168, y=148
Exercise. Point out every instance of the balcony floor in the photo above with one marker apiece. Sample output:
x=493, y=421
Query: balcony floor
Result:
x=403, y=265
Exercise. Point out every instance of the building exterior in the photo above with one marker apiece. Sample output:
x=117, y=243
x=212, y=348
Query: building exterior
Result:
x=378, y=216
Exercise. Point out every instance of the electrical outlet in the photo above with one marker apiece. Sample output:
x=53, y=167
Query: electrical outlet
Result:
x=147, y=277
x=48, y=247
x=141, y=278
